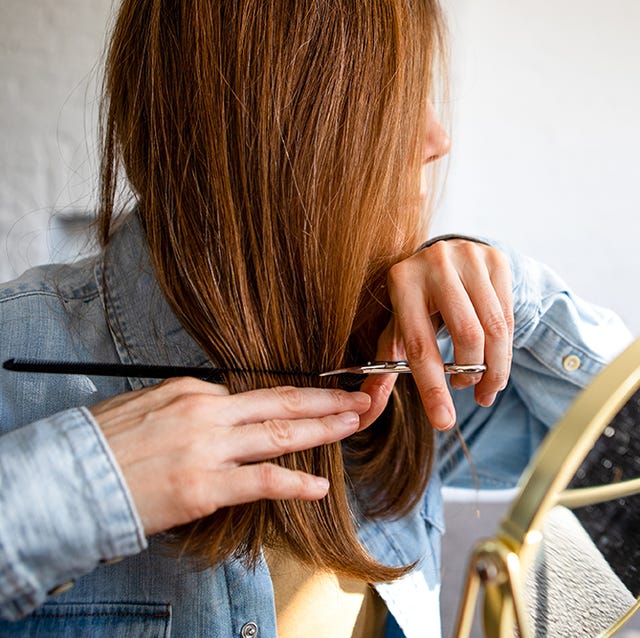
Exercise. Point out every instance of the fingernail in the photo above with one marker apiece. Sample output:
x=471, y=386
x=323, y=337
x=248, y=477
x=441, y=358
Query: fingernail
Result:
x=321, y=483
x=464, y=381
x=486, y=400
x=441, y=417
x=349, y=418
x=459, y=384
x=362, y=398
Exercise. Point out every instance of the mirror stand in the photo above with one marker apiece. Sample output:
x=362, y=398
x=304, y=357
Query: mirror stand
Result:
x=547, y=567
x=495, y=568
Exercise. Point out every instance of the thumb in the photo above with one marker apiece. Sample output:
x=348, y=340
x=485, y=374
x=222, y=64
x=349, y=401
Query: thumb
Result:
x=380, y=386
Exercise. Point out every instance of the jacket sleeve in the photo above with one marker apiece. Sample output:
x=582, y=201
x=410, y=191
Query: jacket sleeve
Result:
x=64, y=508
x=560, y=343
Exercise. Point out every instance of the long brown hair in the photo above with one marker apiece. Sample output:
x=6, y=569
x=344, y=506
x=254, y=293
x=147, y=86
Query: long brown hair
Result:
x=273, y=147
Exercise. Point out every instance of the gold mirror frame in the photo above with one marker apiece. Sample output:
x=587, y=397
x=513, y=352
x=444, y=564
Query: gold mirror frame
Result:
x=498, y=564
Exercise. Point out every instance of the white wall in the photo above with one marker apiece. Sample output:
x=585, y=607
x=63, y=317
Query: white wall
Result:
x=546, y=156
x=546, y=137
x=48, y=51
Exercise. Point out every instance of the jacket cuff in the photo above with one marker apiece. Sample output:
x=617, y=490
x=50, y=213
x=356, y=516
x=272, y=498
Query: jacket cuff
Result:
x=65, y=508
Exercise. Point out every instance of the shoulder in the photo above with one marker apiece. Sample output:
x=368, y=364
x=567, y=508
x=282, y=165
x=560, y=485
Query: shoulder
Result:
x=50, y=310
x=52, y=313
x=66, y=282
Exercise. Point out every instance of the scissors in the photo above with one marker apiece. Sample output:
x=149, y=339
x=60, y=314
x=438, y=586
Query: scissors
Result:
x=386, y=367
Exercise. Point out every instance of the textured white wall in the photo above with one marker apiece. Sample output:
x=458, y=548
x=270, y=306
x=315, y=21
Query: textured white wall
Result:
x=545, y=139
x=48, y=51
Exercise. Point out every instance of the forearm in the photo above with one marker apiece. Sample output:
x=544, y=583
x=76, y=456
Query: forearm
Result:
x=64, y=506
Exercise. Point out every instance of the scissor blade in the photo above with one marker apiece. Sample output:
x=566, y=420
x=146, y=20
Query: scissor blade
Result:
x=372, y=367
x=351, y=370
x=394, y=367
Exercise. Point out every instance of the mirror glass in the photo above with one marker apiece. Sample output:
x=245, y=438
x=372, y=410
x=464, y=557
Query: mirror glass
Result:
x=585, y=571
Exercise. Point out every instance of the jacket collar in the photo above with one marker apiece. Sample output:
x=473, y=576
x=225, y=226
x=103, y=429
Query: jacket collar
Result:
x=143, y=326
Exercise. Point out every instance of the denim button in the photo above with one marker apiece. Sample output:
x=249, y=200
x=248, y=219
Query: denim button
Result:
x=60, y=589
x=571, y=363
x=249, y=630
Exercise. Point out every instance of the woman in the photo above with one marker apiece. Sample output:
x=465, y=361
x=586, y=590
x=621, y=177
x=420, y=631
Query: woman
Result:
x=275, y=153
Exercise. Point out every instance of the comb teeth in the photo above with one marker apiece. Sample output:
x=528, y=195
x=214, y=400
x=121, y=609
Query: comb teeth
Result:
x=135, y=370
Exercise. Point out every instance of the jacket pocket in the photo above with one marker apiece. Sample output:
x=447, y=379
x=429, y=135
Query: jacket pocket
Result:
x=94, y=620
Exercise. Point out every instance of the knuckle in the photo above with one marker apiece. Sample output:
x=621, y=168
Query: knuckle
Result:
x=497, y=379
x=150, y=418
x=409, y=270
x=497, y=257
x=290, y=397
x=510, y=321
x=396, y=275
x=467, y=249
x=468, y=334
x=327, y=424
x=190, y=406
x=434, y=395
x=417, y=347
x=438, y=255
x=268, y=479
x=439, y=248
x=397, y=269
x=280, y=434
x=180, y=385
x=496, y=326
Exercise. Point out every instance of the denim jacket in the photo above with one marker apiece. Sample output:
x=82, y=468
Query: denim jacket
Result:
x=66, y=515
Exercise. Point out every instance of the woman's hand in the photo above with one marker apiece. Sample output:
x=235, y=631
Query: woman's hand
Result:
x=187, y=447
x=466, y=285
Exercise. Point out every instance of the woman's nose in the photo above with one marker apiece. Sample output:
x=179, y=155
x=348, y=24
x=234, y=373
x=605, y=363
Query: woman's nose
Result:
x=437, y=142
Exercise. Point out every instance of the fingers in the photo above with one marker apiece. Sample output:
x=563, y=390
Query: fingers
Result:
x=464, y=325
x=474, y=309
x=183, y=493
x=427, y=369
x=380, y=386
x=214, y=404
x=413, y=317
x=469, y=286
x=275, y=437
x=491, y=299
x=282, y=419
x=286, y=402
x=250, y=483
x=192, y=437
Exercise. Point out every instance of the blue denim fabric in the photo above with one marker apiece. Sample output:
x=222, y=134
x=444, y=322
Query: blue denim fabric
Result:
x=65, y=510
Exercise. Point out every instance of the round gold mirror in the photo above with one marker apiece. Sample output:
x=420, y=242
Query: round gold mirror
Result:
x=566, y=558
